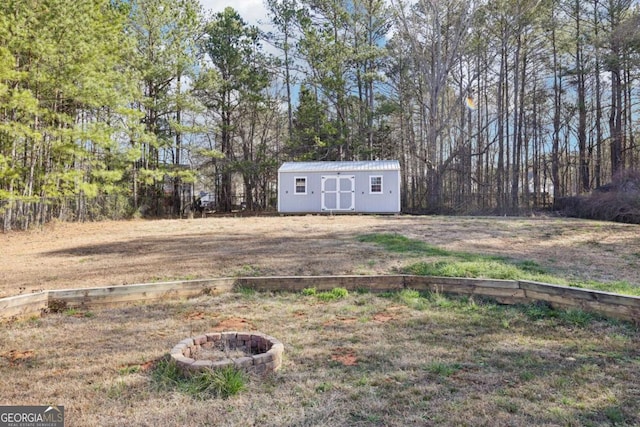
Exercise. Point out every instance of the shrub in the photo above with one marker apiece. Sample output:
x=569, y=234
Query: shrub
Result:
x=617, y=201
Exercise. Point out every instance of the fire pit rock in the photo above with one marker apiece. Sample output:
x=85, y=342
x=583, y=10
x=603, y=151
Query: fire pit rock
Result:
x=252, y=352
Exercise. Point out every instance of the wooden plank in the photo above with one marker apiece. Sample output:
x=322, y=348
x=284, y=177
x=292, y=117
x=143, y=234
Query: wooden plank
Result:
x=582, y=294
x=322, y=283
x=567, y=302
x=21, y=306
x=140, y=292
x=114, y=299
x=419, y=285
x=511, y=301
x=551, y=298
x=500, y=292
x=619, y=311
x=215, y=285
x=453, y=281
x=465, y=287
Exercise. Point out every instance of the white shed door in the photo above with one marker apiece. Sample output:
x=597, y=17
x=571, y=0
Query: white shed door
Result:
x=338, y=192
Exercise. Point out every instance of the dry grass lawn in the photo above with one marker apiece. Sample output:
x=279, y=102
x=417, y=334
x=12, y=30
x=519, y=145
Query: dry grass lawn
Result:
x=112, y=253
x=364, y=360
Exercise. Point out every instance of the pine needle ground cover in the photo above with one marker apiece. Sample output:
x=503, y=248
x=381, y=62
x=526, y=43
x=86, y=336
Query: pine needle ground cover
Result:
x=352, y=359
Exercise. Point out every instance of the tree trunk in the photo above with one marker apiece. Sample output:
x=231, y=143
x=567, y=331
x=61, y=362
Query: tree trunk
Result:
x=557, y=109
x=584, y=180
x=177, y=182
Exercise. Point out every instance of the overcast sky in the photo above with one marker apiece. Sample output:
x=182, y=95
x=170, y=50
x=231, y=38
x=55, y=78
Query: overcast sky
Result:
x=251, y=11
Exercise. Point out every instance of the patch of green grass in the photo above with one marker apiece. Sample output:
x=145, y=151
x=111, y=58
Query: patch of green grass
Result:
x=225, y=382
x=394, y=242
x=615, y=415
x=412, y=298
x=526, y=376
x=464, y=264
x=388, y=294
x=442, y=300
x=429, y=300
x=333, y=294
x=127, y=370
x=245, y=291
x=503, y=315
x=363, y=381
x=324, y=387
x=248, y=271
x=489, y=269
x=221, y=383
x=443, y=369
x=619, y=287
x=78, y=313
x=530, y=267
x=577, y=317
x=539, y=310
x=399, y=243
x=166, y=375
x=461, y=264
x=116, y=390
x=71, y=312
x=507, y=405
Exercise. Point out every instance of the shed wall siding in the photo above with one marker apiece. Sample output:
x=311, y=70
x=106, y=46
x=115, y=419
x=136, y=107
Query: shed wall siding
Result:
x=365, y=202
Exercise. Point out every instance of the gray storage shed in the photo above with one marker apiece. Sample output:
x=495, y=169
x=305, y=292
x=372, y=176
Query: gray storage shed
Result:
x=339, y=187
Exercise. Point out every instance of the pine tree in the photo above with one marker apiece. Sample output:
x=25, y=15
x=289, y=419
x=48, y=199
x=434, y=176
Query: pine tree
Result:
x=232, y=91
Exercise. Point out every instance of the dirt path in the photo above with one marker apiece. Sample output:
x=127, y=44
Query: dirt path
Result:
x=114, y=253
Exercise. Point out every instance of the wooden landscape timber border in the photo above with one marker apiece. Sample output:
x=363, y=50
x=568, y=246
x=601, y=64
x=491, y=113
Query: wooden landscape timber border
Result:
x=28, y=305
x=504, y=291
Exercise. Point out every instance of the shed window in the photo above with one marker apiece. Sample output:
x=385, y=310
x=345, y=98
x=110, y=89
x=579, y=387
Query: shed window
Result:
x=375, y=184
x=301, y=185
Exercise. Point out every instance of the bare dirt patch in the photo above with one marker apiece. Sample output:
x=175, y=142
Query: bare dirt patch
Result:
x=344, y=356
x=383, y=317
x=17, y=356
x=111, y=253
x=198, y=315
x=234, y=324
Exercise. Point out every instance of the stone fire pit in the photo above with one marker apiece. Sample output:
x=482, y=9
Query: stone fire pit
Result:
x=252, y=352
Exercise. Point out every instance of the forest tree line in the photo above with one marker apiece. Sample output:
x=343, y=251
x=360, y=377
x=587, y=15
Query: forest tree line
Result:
x=112, y=108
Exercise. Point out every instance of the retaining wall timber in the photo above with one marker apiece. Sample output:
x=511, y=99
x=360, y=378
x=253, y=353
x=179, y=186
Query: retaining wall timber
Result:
x=27, y=305
x=21, y=306
x=606, y=303
x=504, y=291
x=323, y=283
x=90, y=297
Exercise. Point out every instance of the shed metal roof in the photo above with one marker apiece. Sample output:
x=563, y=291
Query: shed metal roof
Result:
x=368, y=165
